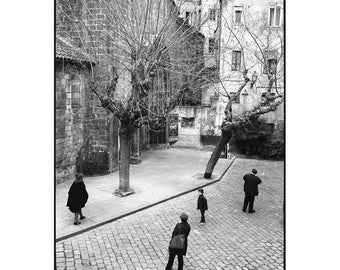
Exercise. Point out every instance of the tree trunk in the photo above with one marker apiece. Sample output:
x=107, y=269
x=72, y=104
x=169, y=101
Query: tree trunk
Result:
x=135, y=149
x=124, y=164
x=167, y=144
x=224, y=139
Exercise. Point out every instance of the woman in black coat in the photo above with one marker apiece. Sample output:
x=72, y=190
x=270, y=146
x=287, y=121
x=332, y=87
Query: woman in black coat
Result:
x=180, y=228
x=77, y=198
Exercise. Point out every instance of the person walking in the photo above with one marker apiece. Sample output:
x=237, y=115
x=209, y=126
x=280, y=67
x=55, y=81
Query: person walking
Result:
x=202, y=204
x=77, y=198
x=251, y=181
x=179, y=242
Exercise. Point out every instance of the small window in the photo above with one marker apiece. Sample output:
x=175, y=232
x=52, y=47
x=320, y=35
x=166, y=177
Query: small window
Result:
x=212, y=15
x=187, y=15
x=271, y=17
x=275, y=14
x=238, y=14
x=236, y=61
x=188, y=122
x=211, y=45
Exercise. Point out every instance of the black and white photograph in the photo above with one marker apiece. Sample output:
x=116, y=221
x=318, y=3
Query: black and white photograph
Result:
x=169, y=134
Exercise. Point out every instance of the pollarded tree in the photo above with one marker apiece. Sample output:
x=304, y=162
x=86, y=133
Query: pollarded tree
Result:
x=133, y=43
x=257, y=45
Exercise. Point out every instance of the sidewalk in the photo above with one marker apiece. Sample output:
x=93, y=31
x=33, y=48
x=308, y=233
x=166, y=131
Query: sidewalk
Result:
x=162, y=175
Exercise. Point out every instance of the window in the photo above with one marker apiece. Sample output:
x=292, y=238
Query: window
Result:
x=188, y=122
x=238, y=14
x=236, y=61
x=212, y=14
x=271, y=17
x=187, y=15
x=275, y=14
x=271, y=56
x=211, y=45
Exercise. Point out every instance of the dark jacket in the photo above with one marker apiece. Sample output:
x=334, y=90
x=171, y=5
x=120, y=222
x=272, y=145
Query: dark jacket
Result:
x=202, y=203
x=250, y=184
x=181, y=228
x=77, y=196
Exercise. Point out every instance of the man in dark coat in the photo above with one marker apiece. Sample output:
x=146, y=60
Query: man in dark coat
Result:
x=202, y=204
x=180, y=228
x=77, y=198
x=251, y=181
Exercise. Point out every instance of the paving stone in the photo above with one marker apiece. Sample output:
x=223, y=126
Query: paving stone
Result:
x=230, y=239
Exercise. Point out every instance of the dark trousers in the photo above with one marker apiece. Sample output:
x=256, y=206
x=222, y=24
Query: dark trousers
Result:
x=171, y=261
x=202, y=215
x=248, y=199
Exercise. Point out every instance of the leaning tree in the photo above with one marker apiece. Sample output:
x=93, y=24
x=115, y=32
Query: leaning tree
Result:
x=133, y=42
x=260, y=46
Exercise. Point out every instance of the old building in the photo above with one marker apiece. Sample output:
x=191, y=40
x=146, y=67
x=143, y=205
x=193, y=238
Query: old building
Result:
x=78, y=116
x=87, y=132
x=252, y=38
x=234, y=29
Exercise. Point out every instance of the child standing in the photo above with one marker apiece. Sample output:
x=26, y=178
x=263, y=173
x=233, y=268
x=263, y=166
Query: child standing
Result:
x=77, y=198
x=202, y=204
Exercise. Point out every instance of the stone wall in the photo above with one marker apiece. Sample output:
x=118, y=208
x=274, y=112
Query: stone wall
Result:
x=82, y=126
x=102, y=132
x=70, y=105
x=98, y=135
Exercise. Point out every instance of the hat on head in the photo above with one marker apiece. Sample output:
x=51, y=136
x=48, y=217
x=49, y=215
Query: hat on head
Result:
x=254, y=171
x=184, y=216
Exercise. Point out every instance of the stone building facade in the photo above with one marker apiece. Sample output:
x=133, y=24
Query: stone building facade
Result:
x=85, y=135
x=84, y=130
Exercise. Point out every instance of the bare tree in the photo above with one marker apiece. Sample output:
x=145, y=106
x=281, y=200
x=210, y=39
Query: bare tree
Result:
x=260, y=45
x=133, y=43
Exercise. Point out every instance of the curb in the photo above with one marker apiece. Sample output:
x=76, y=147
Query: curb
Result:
x=144, y=207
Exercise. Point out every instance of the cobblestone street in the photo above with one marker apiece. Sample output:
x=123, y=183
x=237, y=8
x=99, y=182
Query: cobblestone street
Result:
x=230, y=239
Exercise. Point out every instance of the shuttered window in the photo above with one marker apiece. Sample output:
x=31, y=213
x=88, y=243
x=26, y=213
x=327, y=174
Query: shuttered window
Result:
x=211, y=45
x=275, y=16
x=236, y=60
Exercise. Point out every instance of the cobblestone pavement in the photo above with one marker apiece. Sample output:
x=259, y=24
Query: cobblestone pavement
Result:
x=230, y=239
x=150, y=186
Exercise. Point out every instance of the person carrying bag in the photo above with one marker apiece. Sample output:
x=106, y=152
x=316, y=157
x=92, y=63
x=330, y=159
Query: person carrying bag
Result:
x=179, y=242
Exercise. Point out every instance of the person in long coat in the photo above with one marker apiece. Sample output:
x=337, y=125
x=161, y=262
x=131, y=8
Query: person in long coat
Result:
x=251, y=182
x=180, y=228
x=202, y=204
x=77, y=198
